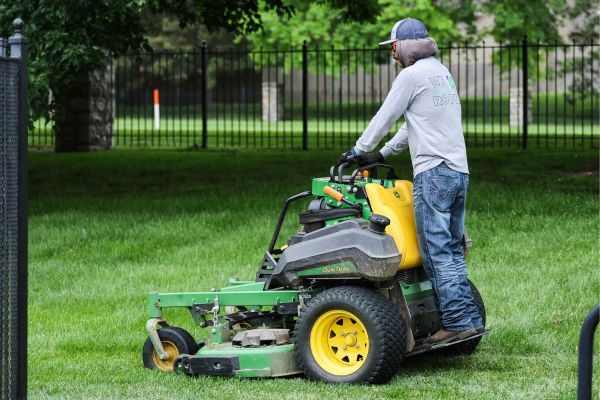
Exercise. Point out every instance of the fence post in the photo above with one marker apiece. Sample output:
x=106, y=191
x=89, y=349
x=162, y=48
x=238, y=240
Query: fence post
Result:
x=204, y=95
x=525, y=103
x=304, y=96
x=18, y=50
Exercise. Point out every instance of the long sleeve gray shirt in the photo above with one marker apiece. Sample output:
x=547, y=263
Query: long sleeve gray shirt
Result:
x=426, y=95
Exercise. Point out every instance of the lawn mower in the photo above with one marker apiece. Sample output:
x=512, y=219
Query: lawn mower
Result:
x=344, y=301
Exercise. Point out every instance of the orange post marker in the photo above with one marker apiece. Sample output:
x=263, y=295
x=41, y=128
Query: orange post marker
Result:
x=333, y=193
x=156, y=110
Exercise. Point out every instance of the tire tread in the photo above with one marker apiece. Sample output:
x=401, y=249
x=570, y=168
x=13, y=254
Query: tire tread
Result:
x=391, y=331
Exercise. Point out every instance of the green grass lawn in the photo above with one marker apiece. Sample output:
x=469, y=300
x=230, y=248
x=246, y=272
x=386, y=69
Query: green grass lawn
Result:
x=106, y=228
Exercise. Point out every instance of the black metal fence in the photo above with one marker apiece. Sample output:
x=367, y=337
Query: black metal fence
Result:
x=512, y=95
x=13, y=216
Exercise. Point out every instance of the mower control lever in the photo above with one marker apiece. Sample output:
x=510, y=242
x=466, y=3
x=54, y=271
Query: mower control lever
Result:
x=391, y=174
x=340, y=197
x=371, y=167
x=333, y=193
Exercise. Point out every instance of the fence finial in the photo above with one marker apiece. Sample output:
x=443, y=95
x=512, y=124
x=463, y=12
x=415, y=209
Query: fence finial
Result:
x=18, y=26
x=18, y=42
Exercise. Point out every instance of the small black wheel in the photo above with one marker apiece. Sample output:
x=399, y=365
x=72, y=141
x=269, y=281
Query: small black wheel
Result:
x=350, y=334
x=469, y=346
x=175, y=341
x=177, y=365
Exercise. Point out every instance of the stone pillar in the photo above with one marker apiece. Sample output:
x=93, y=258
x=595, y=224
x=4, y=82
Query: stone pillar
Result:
x=516, y=106
x=272, y=101
x=85, y=113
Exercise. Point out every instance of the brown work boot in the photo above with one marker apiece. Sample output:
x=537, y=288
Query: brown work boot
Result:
x=443, y=336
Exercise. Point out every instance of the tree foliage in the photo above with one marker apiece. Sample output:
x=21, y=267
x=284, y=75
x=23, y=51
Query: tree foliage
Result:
x=70, y=36
x=539, y=20
x=320, y=25
x=587, y=15
x=67, y=37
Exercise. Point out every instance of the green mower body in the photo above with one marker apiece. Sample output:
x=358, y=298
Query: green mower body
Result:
x=344, y=294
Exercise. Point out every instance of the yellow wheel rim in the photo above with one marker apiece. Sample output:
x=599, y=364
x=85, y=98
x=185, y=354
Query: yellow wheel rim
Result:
x=172, y=353
x=339, y=342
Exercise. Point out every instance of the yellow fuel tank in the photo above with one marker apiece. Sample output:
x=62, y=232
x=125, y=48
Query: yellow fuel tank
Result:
x=396, y=204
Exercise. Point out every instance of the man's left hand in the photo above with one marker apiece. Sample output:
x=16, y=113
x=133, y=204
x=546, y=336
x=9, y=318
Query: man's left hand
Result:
x=371, y=158
x=351, y=157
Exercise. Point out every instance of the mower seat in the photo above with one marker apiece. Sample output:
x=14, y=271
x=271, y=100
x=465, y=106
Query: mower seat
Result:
x=396, y=204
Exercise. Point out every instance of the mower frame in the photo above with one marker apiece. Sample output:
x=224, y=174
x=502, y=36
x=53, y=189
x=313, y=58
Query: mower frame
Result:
x=220, y=310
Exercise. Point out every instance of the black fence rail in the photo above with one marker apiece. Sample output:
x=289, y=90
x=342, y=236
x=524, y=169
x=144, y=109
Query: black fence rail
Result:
x=512, y=95
x=585, y=362
x=13, y=215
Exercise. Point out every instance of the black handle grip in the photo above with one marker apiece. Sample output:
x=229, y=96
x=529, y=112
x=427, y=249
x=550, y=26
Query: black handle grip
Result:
x=342, y=166
x=340, y=171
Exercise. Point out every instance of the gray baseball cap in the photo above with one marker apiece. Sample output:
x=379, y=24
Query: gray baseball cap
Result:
x=408, y=28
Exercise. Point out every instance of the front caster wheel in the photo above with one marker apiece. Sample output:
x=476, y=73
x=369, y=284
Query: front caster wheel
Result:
x=175, y=341
x=350, y=334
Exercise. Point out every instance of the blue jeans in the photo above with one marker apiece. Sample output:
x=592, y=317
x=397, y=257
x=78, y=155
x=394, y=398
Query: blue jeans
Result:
x=439, y=197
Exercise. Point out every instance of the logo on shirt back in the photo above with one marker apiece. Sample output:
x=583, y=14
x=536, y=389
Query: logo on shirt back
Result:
x=443, y=90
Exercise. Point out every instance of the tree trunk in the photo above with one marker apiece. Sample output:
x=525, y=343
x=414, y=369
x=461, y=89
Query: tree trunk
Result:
x=85, y=113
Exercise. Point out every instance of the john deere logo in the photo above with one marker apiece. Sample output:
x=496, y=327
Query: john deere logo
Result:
x=335, y=270
x=396, y=194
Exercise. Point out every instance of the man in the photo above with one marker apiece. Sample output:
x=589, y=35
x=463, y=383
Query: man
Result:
x=425, y=93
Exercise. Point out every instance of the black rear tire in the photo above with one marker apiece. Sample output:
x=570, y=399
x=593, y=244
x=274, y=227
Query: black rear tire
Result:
x=176, y=341
x=469, y=346
x=383, y=325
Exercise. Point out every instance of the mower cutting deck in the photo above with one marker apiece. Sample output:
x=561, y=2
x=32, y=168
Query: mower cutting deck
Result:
x=345, y=300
